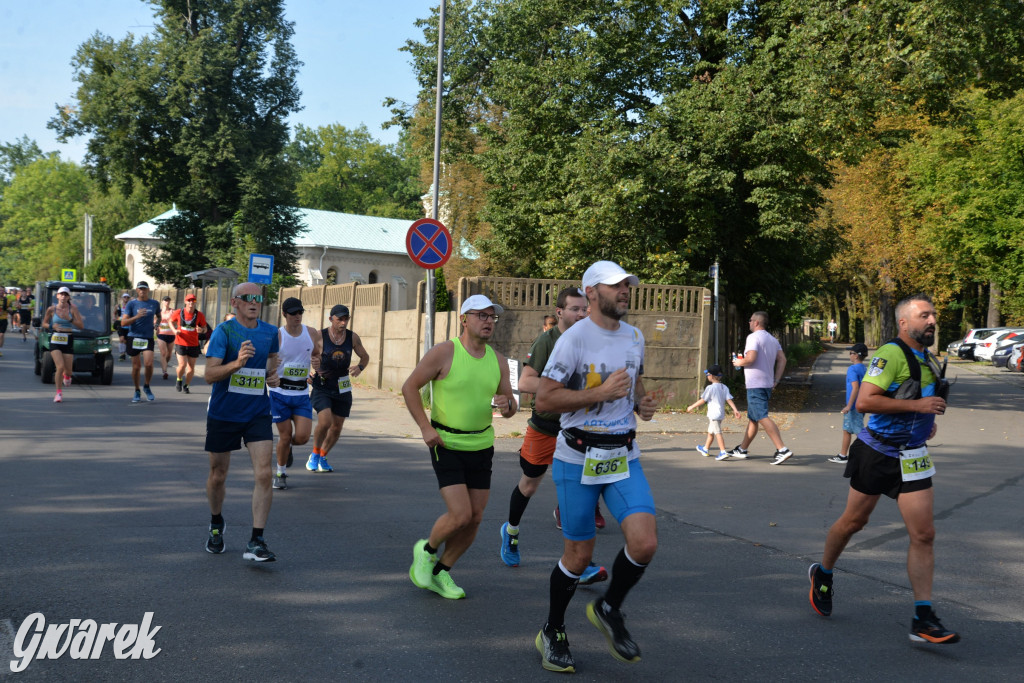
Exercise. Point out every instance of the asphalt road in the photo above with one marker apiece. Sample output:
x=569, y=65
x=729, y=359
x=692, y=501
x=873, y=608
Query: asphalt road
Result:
x=104, y=517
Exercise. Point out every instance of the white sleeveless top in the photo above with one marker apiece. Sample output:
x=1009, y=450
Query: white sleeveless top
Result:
x=294, y=357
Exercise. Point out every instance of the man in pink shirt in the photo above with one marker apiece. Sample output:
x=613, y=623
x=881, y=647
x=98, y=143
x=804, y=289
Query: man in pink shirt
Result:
x=763, y=363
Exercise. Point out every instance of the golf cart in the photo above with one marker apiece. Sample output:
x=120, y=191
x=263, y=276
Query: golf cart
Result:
x=91, y=344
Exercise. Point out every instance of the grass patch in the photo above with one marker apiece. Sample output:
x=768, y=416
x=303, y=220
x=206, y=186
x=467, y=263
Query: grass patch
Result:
x=796, y=353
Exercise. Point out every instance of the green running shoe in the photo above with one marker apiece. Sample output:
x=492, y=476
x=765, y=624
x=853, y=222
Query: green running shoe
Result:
x=445, y=587
x=422, y=570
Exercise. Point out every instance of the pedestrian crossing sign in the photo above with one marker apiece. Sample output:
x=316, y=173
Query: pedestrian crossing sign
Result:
x=68, y=275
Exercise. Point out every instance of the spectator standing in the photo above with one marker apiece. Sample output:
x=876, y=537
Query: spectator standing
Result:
x=763, y=363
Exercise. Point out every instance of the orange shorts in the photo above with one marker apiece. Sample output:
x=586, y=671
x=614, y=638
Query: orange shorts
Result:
x=538, y=449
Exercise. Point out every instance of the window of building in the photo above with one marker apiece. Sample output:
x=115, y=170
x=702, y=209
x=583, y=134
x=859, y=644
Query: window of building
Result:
x=332, y=276
x=373, y=278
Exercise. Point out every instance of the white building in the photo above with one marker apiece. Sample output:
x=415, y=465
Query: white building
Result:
x=335, y=248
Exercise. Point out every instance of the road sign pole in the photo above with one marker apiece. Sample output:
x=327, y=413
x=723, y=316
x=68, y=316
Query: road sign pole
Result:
x=428, y=340
x=717, y=329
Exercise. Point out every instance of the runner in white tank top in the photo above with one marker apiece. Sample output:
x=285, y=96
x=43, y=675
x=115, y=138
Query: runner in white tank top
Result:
x=290, y=407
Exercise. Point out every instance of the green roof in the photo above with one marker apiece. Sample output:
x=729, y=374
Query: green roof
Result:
x=329, y=228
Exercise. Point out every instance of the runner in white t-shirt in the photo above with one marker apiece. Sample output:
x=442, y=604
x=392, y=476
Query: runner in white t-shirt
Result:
x=593, y=378
x=290, y=405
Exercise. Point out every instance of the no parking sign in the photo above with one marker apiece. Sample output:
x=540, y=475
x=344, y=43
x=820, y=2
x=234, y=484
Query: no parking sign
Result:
x=429, y=243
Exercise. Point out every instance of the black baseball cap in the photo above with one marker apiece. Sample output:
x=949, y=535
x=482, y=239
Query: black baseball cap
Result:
x=715, y=370
x=142, y=285
x=291, y=306
x=340, y=311
x=860, y=349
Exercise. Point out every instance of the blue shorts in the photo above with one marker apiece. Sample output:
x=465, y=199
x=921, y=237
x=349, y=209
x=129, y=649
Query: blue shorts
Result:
x=757, y=404
x=293, y=404
x=576, y=501
x=853, y=422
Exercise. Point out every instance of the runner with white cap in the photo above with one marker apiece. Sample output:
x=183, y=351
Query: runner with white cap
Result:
x=466, y=375
x=62, y=319
x=593, y=378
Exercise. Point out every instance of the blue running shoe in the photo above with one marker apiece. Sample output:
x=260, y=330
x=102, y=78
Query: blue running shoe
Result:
x=703, y=451
x=593, y=574
x=313, y=462
x=509, y=546
x=148, y=393
x=137, y=398
x=322, y=466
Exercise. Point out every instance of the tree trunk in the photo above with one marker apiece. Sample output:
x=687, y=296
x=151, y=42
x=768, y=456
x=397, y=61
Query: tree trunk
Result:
x=887, y=317
x=995, y=296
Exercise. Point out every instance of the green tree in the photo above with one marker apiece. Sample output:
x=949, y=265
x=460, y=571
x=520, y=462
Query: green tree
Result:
x=114, y=213
x=197, y=113
x=668, y=134
x=44, y=209
x=349, y=171
x=14, y=155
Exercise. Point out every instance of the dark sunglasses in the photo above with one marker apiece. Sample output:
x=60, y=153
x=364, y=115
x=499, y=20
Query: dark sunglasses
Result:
x=251, y=298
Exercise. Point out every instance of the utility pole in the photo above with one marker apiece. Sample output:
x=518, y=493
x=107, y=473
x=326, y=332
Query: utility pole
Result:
x=428, y=340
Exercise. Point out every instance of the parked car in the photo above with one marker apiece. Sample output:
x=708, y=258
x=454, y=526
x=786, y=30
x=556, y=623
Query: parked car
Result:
x=975, y=335
x=1013, y=362
x=1001, y=355
x=984, y=349
x=954, y=347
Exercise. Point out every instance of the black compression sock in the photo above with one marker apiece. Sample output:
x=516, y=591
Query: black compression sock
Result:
x=430, y=551
x=517, y=506
x=256, y=533
x=217, y=519
x=625, y=575
x=563, y=587
x=441, y=567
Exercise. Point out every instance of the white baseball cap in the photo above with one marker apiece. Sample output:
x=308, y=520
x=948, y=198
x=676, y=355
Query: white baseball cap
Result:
x=479, y=302
x=64, y=290
x=607, y=273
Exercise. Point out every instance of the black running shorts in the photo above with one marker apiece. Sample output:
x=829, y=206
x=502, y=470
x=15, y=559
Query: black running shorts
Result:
x=132, y=351
x=223, y=436
x=339, y=404
x=188, y=351
x=874, y=474
x=472, y=468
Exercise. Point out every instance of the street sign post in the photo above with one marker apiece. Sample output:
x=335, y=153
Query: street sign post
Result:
x=261, y=268
x=428, y=243
x=68, y=275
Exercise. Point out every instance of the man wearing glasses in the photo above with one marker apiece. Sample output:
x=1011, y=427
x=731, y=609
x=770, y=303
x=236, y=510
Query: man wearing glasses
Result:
x=241, y=362
x=764, y=363
x=538, y=448
x=140, y=316
x=467, y=376
x=290, y=407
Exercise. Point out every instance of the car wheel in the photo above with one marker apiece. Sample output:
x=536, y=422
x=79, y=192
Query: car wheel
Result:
x=47, y=369
x=107, y=374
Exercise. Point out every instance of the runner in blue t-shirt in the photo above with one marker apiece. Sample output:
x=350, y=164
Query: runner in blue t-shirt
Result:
x=139, y=316
x=241, y=362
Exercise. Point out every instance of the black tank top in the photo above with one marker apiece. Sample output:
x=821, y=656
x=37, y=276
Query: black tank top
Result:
x=334, y=361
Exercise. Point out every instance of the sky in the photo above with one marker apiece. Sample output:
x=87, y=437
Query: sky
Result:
x=350, y=51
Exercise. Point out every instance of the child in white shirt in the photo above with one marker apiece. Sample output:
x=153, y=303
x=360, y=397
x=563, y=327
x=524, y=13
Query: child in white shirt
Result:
x=715, y=395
